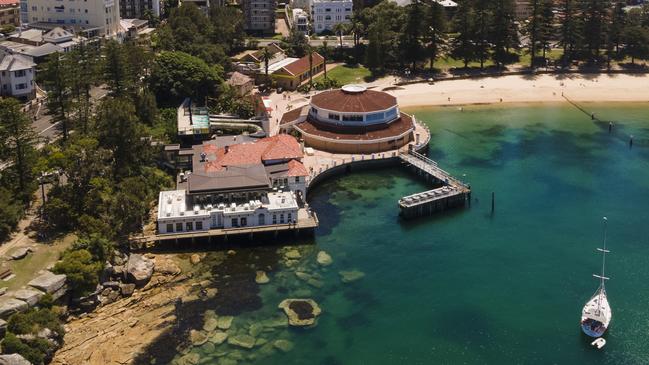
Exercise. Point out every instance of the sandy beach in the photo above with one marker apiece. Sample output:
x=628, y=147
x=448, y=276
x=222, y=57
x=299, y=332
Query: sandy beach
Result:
x=520, y=89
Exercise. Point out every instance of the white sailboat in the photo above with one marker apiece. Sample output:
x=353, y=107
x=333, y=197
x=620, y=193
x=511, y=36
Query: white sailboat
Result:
x=596, y=315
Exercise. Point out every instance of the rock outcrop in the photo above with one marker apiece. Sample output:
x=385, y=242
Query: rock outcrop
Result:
x=29, y=296
x=244, y=341
x=300, y=312
x=20, y=253
x=9, y=306
x=139, y=269
x=13, y=359
x=48, y=282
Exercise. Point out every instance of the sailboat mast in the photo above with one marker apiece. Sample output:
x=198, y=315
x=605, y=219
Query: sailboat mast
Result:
x=604, y=253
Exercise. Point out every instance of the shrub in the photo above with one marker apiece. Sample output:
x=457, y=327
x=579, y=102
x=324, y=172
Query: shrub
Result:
x=81, y=269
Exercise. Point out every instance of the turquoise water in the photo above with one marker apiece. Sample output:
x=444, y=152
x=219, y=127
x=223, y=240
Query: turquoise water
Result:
x=468, y=286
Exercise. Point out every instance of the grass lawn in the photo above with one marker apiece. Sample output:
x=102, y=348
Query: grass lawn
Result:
x=43, y=256
x=348, y=74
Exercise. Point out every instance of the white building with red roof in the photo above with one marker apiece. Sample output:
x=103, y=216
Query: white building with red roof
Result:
x=239, y=184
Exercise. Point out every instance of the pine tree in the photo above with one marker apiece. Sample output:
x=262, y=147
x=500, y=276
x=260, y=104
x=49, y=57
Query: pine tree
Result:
x=595, y=27
x=435, y=33
x=463, y=45
x=571, y=25
x=483, y=21
x=56, y=77
x=18, y=144
x=504, y=33
x=410, y=40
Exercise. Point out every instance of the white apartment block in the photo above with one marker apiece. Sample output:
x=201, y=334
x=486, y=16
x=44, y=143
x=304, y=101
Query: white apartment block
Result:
x=95, y=17
x=325, y=14
x=17, y=76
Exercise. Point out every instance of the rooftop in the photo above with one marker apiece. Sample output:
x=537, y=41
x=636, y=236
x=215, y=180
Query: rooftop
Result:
x=353, y=99
x=15, y=62
x=301, y=66
x=242, y=177
x=238, y=79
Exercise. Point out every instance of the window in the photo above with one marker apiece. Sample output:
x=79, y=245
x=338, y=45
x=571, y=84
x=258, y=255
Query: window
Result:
x=199, y=226
x=34, y=8
x=262, y=219
x=189, y=226
x=235, y=222
x=274, y=218
x=328, y=17
x=285, y=181
x=179, y=227
x=170, y=227
x=297, y=179
x=20, y=73
x=281, y=218
x=21, y=86
x=290, y=217
x=374, y=117
x=352, y=118
x=334, y=116
x=244, y=221
x=391, y=113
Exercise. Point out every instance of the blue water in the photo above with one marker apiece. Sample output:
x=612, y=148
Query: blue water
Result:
x=469, y=286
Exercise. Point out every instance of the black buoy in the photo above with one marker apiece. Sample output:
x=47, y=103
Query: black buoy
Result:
x=592, y=116
x=493, y=201
x=631, y=142
x=610, y=127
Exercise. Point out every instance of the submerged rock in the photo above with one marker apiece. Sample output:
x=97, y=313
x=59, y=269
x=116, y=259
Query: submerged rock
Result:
x=302, y=275
x=300, y=312
x=197, y=338
x=255, y=329
x=283, y=345
x=292, y=254
x=218, y=338
x=349, y=276
x=210, y=324
x=324, y=258
x=245, y=341
x=261, y=277
x=224, y=322
x=189, y=359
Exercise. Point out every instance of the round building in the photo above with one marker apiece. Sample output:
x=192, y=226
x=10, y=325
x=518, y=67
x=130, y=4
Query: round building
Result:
x=352, y=119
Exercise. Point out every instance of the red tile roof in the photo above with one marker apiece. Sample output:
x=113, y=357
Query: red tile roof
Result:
x=302, y=65
x=279, y=147
x=394, y=129
x=363, y=102
x=296, y=168
x=9, y=2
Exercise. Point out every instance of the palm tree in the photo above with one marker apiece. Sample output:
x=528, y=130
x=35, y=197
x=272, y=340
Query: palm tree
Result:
x=339, y=29
x=356, y=28
x=324, y=52
x=265, y=57
x=309, y=50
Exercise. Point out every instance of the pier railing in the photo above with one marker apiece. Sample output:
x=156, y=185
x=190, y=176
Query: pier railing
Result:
x=426, y=164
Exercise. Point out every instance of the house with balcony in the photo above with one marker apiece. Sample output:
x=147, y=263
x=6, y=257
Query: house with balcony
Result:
x=325, y=14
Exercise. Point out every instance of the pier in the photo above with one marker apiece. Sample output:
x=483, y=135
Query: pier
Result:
x=453, y=192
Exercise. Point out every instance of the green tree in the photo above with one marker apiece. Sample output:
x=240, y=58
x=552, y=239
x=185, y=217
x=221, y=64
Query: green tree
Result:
x=410, y=39
x=570, y=38
x=483, y=18
x=84, y=59
x=637, y=42
x=504, y=33
x=56, y=76
x=435, y=33
x=18, y=145
x=340, y=29
x=295, y=44
x=33, y=351
x=81, y=269
x=325, y=52
x=464, y=45
x=10, y=213
x=177, y=75
x=615, y=35
x=119, y=131
x=266, y=57
x=594, y=13
x=99, y=247
x=116, y=69
x=227, y=27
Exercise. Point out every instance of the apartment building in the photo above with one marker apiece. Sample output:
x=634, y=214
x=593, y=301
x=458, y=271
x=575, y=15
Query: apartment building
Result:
x=259, y=16
x=9, y=13
x=325, y=14
x=137, y=9
x=93, y=17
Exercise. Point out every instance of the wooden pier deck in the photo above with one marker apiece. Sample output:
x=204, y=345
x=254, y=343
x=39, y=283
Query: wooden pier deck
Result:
x=453, y=192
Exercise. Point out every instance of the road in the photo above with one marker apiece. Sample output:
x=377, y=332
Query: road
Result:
x=47, y=130
x=347, y=43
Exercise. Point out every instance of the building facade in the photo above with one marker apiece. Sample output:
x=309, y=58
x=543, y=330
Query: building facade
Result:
x=352, y=120
x=17, y=76
x=9, y=13
x=95, y=17
x=301, y=21
x=296, y=71
x=236, y=183
x=137, y=9
x=325, y=14
x=259, y=16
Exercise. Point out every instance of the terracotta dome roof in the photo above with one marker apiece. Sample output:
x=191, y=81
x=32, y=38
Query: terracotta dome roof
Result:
x=348, y=102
